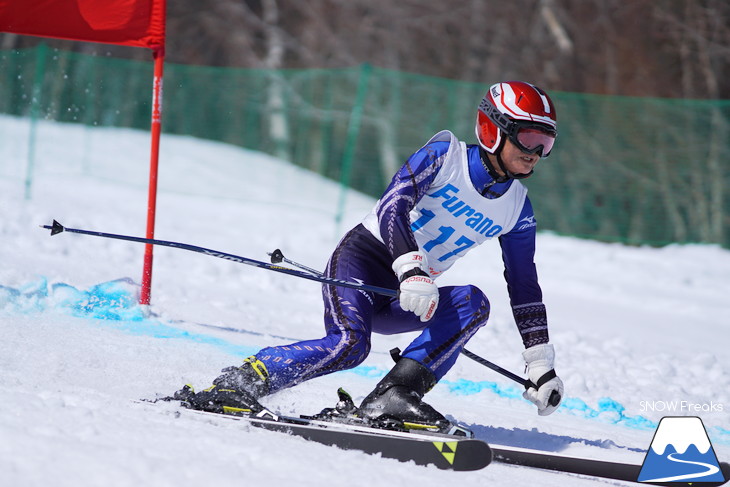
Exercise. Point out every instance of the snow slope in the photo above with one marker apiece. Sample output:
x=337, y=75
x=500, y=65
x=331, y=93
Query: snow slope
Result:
x=632, y=326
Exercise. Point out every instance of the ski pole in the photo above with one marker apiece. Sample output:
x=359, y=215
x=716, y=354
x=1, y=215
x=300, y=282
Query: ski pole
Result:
x=524, y=382
x=57, y=228
x=554, y=397
x=277, y=256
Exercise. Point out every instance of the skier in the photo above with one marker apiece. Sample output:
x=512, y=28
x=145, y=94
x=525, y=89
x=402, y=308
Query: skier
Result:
x=445, y=200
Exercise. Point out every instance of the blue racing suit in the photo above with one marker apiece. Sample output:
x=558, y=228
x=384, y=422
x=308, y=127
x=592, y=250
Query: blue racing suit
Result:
x=435, y=205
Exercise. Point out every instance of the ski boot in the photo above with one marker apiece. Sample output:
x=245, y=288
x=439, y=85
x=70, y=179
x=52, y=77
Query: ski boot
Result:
x=235, y=392
x=396, y=400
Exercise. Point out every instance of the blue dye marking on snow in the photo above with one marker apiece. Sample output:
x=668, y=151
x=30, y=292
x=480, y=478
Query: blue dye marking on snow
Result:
x=114, y=304
x=719, y=435
x=608, y=410
x=369, y=371
x=468, y=387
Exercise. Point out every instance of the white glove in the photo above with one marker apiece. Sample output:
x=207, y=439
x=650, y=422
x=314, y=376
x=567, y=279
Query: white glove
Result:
x=546, y=388
x=418, y=293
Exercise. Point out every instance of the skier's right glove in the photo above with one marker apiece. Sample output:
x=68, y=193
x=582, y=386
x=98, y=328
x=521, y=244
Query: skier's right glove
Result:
x=418, y=293
x=546, y=388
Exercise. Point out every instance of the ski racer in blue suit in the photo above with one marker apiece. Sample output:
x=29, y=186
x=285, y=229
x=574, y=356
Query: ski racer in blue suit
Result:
x=447, y=198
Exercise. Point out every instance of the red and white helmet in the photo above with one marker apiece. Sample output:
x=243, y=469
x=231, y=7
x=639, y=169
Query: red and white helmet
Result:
x=520, y=111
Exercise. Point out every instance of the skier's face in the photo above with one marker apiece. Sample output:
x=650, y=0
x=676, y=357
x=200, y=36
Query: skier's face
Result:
x=516, y=161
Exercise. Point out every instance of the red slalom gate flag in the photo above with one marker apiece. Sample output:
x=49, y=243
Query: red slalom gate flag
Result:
x=138, y=23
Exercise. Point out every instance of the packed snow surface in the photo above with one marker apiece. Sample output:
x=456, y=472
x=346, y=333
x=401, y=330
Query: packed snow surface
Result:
x=640, y=333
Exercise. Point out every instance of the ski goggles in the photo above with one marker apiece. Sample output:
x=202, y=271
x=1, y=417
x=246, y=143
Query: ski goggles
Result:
x=531, y=140
x=529, y=137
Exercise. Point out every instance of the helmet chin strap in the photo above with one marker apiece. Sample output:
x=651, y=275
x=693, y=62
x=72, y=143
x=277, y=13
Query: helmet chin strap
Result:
x=493, y=172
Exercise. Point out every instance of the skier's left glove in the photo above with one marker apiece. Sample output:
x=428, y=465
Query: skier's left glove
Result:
x=546, y=388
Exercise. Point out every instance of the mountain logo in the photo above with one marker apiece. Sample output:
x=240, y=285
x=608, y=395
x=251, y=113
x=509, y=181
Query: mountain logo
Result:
x=681, y=452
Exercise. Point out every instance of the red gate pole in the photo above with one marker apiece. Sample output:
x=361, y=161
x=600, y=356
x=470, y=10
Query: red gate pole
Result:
x=156, y=129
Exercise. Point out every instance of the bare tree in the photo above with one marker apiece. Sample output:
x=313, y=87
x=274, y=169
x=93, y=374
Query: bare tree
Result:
x=668, y=48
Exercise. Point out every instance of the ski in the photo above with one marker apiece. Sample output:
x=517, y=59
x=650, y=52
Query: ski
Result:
x=444, y=451
x=583, y=466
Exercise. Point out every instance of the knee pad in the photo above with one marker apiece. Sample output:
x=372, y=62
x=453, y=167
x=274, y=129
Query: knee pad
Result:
x=477, y=300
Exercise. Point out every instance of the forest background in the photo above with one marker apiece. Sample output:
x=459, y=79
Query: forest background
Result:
x=665, y=48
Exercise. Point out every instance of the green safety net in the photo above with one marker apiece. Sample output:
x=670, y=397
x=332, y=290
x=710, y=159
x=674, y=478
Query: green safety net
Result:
x=634, y=170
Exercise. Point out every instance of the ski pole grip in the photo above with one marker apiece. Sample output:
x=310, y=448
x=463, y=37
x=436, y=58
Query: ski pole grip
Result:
x=555, y=396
